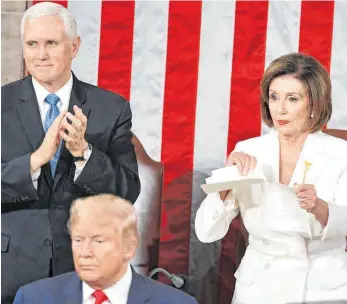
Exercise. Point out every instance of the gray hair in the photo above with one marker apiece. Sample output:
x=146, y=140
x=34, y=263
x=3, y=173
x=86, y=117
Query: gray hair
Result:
x=44, y=9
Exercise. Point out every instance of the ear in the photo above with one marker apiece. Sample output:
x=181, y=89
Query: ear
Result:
x=75, y=47
x=130, y=246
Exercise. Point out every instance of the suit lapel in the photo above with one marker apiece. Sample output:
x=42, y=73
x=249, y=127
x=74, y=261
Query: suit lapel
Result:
x=137, y=293
x=29, y=114
x=72, y=292
x=78, y=97
x=314, y=152
x=270, y=167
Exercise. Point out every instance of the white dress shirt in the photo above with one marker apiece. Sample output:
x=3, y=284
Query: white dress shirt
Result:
x=117, y=293
x=64, y=94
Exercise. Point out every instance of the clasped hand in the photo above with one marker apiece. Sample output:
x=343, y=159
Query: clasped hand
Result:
x=73, y=134
x=308, y=196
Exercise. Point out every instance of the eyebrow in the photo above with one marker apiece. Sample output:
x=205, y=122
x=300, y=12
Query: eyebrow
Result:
x=289, y=93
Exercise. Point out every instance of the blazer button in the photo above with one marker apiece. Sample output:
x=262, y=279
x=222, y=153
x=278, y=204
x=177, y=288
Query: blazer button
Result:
x=267, y=266
x=215, y=216
x=47, y=243
x=266, y=242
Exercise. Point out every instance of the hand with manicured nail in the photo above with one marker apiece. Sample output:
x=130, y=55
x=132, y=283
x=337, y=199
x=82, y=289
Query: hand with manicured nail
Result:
x=243, y=161
x=309, y=201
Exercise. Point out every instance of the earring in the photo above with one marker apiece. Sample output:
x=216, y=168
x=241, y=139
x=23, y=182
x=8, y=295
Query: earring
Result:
x=312, y=115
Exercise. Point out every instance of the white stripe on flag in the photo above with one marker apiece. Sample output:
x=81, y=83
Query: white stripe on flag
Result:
x=338, y=67
x=283, y=29
x=148, y=73
x=88, y=18
x=211, y=125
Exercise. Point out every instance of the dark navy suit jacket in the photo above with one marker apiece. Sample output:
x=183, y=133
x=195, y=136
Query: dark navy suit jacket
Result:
x=67, y=289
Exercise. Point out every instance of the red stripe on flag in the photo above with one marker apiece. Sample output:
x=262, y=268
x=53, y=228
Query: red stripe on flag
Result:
x=245, y=117
x=316, y=30
x=116, y=46
x=178, y=132
x=63, y=3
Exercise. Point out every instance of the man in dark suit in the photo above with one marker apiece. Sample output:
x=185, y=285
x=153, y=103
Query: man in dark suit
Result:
x=61, y=139
x=104, y=235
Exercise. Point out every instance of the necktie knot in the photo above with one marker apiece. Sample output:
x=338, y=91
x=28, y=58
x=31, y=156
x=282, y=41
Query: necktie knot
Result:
x=52, y=99
x=99, y=296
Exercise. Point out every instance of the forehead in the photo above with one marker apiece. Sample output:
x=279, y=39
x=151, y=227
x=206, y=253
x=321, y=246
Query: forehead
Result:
x=286, y=83
x=90, y=224
x=46, y=27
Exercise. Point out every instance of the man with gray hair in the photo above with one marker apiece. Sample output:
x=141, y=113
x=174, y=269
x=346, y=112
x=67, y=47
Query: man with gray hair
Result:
x=61, y=139
x=104, y=237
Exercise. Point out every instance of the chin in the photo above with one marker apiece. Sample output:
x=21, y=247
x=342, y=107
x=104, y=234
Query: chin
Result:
x=284, y=130
x=42, y=76
x=88, y=275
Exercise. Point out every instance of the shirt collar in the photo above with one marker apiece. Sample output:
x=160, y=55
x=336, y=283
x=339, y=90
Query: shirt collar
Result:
x=117, y=293
x=63, y=93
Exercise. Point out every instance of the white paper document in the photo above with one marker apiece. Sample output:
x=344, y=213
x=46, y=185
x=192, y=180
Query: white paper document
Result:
x=229, y=178
x=281, y=210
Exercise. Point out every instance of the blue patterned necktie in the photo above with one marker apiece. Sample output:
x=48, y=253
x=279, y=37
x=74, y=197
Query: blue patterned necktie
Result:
x=52, y=114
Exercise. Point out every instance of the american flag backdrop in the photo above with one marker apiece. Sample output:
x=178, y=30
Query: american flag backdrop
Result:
x=191, y=71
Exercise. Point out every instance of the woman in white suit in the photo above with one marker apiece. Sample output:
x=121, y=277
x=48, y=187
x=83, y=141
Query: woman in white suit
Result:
x=289, y=267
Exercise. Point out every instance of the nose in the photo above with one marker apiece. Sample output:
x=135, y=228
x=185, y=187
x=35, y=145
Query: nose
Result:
x=282, y=106
x=86, y=250
x=42, y=53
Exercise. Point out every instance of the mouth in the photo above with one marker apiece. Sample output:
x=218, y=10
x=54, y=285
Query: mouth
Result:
x=282, y=122
x=88, y=267
x=44, y=66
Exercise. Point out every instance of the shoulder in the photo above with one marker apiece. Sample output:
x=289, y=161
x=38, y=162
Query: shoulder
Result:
x=163, y=292
x=335, y=146
x=251, y=143
x=12, y=86
x=11, y=91
x=333, y=141
x=101, y=95
x=45, y=286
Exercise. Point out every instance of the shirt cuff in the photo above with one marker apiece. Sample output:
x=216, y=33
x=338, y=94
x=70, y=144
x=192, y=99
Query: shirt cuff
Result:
x=35, y=176
x=80, y=166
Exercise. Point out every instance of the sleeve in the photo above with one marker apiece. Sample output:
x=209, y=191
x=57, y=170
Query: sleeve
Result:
x=337, y=221
x=214, y=217
x=115, y=171
x=17, y=184
x=19, y=297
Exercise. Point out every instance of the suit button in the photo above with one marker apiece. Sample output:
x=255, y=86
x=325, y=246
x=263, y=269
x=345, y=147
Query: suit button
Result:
x=266, y=242
x=267, y=266
x=85, y=186
x=47, y=243
x=215, y=216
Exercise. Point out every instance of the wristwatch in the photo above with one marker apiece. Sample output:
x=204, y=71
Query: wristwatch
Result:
x=85, y=156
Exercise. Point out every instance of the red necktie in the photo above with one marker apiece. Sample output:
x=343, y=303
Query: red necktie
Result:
x=99, y=296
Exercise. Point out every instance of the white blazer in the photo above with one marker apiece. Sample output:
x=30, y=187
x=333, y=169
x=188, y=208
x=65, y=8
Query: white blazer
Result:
x=287, y=268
